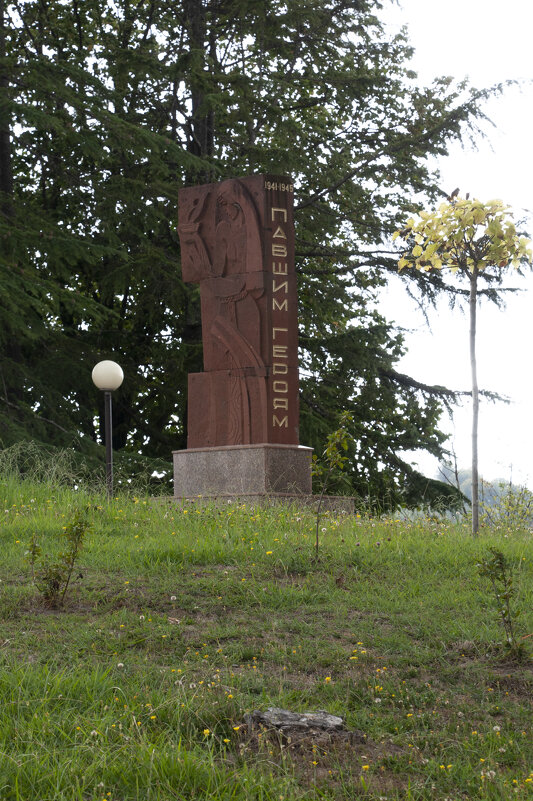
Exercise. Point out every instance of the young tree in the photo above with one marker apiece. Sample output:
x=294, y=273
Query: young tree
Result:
x=477, y=240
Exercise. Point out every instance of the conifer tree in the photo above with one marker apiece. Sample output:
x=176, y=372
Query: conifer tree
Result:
x=112, y=107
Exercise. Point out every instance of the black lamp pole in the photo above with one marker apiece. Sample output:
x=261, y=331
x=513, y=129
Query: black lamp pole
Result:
x=108, y=415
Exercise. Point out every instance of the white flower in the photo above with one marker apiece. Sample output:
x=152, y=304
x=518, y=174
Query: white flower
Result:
x=172, y=597
x=120, y=664
x=488, y=774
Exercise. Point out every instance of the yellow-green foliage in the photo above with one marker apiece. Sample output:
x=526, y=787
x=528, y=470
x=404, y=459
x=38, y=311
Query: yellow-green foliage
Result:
x=463, y=234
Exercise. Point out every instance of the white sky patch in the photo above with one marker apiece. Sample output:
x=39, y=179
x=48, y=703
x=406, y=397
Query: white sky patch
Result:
x=489, y=43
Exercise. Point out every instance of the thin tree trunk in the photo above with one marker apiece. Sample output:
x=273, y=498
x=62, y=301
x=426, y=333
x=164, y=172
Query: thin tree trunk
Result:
x=475, y=402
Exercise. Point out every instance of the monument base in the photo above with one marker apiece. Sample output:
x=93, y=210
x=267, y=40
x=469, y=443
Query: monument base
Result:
x=242, y=470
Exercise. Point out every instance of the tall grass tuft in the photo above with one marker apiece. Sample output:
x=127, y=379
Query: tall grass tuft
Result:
x=73, y=468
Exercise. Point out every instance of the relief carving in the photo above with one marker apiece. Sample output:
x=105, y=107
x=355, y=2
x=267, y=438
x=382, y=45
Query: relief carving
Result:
x=221, y=250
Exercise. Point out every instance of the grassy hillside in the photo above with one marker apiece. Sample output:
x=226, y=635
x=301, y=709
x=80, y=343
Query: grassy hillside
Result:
x=180, y=621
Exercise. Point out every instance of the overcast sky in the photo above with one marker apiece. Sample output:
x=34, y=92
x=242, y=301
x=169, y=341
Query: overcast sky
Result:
x=488, y=42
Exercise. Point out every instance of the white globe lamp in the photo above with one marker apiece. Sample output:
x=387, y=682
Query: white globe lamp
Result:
x=107, y=375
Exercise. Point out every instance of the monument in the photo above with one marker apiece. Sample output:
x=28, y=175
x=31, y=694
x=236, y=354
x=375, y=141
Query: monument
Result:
x=237, y=244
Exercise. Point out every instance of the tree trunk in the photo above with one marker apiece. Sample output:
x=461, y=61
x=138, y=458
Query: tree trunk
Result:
x=475, y=402
x=201, y=121
x=6, y=175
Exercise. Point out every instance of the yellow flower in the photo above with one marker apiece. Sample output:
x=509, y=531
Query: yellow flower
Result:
x=268, y=553
x=365, y=767
x=327, y=679
x=207, y=732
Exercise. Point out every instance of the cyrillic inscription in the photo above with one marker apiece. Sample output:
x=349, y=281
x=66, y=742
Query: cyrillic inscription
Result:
x=283, y=317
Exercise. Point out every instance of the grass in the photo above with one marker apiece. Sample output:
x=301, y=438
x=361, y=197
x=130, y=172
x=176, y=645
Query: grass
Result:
x=180, y=621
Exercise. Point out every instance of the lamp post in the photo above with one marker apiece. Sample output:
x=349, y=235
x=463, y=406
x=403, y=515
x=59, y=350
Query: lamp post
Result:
x=108, y=376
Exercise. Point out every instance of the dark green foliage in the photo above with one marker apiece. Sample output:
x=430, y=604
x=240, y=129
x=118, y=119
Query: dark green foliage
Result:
x=113, y=107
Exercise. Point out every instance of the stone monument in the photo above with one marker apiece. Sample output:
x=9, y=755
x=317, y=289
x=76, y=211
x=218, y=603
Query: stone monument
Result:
x=237, y=244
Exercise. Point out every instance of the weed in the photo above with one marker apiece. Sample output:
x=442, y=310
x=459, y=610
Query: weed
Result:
x=52, y=578
x=507, y=506
x=498, y=570
x=32, y=555
x=336, y=442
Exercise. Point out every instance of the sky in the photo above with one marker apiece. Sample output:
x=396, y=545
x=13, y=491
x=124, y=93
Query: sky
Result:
x=488, y=42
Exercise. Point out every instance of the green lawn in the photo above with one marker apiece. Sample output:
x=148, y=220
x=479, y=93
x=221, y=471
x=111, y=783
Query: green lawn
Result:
x=180, y=621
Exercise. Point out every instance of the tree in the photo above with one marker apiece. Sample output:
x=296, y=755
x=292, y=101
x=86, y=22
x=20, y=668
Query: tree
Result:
x=89, y=241
x=117, y=105
x=478, y=240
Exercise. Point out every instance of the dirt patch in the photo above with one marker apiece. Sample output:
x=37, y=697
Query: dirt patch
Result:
x=517, y=680
x=322, y=757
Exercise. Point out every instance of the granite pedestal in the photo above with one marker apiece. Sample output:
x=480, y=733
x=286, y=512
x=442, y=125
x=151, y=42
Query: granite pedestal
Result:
x=242, y=470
